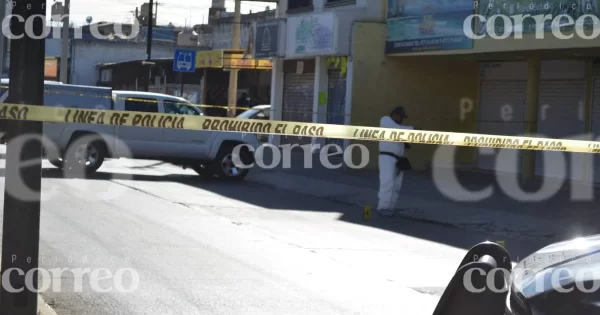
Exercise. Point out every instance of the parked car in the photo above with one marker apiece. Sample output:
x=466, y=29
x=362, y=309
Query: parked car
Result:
x=262, y=112
x=257, y=112
x=84, y=147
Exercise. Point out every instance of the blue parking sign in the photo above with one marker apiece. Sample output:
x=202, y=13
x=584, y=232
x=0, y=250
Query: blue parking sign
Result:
x=184, y=60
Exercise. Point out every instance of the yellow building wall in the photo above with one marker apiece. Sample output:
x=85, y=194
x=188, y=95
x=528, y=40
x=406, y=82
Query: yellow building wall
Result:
x=430, y=88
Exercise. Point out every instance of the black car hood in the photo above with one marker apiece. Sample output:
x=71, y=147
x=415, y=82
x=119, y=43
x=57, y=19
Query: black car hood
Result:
x=561, y=263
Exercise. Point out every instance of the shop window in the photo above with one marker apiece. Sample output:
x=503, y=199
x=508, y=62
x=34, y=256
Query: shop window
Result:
x=333, y=3
x=299, y=5
x=178, y=108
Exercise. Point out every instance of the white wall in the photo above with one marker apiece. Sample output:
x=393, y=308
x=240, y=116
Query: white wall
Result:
x=276, y=95
x=321, y=85
x=346, y=15
x=86, y=55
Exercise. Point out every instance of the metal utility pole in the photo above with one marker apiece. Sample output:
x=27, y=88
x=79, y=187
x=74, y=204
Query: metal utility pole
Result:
x=64, y=52
x=233, y=73
x=3, y=45
x=22, y=195
x=149, y=43
x=181, y=82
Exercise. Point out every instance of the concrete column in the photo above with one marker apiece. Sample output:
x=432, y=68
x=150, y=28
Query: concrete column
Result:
x=320, y=96
x=234, y=73
x=276, y=95
x=349, y=84
x=64, y=51
x=531, y=115
x=588, y=159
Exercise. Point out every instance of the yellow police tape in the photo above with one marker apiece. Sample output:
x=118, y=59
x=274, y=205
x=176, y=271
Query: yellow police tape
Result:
x=299, y=129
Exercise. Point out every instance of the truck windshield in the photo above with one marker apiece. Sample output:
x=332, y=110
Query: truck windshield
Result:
x=181, y=108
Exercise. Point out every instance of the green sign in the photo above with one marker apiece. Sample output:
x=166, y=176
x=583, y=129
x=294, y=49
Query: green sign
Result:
x=552, y=15
x=322, y=98
x=423, y=25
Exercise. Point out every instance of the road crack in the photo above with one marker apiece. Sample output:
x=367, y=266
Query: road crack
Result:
x=153, y=195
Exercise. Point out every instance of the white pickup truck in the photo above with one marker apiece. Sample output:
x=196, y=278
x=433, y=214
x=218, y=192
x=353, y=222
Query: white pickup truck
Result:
x=82, y=148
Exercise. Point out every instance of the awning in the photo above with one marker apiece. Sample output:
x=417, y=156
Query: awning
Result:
x=230, y=59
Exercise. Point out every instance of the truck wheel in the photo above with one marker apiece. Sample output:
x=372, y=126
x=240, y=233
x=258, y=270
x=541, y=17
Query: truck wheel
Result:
x=204, y=171
x=85, y=156
x=56, y=162
x=226, y=169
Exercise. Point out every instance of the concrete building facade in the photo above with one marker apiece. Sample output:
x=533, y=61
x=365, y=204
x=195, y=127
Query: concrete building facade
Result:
x=396, y=52
x=313, y=61
x=537, y=79
x=86, y=55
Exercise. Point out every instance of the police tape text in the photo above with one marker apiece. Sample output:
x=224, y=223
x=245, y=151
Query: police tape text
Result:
x=124, y=119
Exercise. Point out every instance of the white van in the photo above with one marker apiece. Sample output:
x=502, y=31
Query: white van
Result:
x=85, y=146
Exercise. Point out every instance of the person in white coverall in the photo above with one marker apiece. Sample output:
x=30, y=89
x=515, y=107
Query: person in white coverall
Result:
x=390, y=179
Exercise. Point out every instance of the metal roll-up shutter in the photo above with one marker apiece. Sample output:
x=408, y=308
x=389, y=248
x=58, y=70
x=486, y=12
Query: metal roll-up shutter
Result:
x=561, y=114
x=298, y=96
x=336, y=101
x=501, y=111
x=298, y=99
x=596, y=125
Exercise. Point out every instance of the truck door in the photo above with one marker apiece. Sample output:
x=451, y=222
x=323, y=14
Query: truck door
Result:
x=140, y=141
x=185, y=143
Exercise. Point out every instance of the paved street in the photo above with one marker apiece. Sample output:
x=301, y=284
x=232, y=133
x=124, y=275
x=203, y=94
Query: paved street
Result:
x=436, y=198
x=208, y=247
x=340, y=87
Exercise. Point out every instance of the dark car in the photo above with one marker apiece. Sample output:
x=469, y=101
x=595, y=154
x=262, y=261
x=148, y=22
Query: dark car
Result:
x=560, y=279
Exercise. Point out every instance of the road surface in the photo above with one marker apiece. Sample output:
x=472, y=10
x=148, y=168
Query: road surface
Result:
x=209, y=247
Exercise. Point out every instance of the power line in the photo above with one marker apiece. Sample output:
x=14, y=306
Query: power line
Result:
x=149, y=39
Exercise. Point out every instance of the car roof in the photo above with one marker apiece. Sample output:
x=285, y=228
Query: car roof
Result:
x=147, y=94
x=259, y=107
x=57, y=85
x=7, y=81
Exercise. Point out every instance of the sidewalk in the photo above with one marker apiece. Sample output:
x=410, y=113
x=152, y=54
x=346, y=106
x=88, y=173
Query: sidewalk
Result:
x=43, y=308
x=550, y=220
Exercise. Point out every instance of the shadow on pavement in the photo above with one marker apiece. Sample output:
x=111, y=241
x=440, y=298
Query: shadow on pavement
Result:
x=574, y=204
x=280, y=199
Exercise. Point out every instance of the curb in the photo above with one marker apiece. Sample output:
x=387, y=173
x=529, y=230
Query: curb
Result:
x=44, y=308
x=499, y=223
